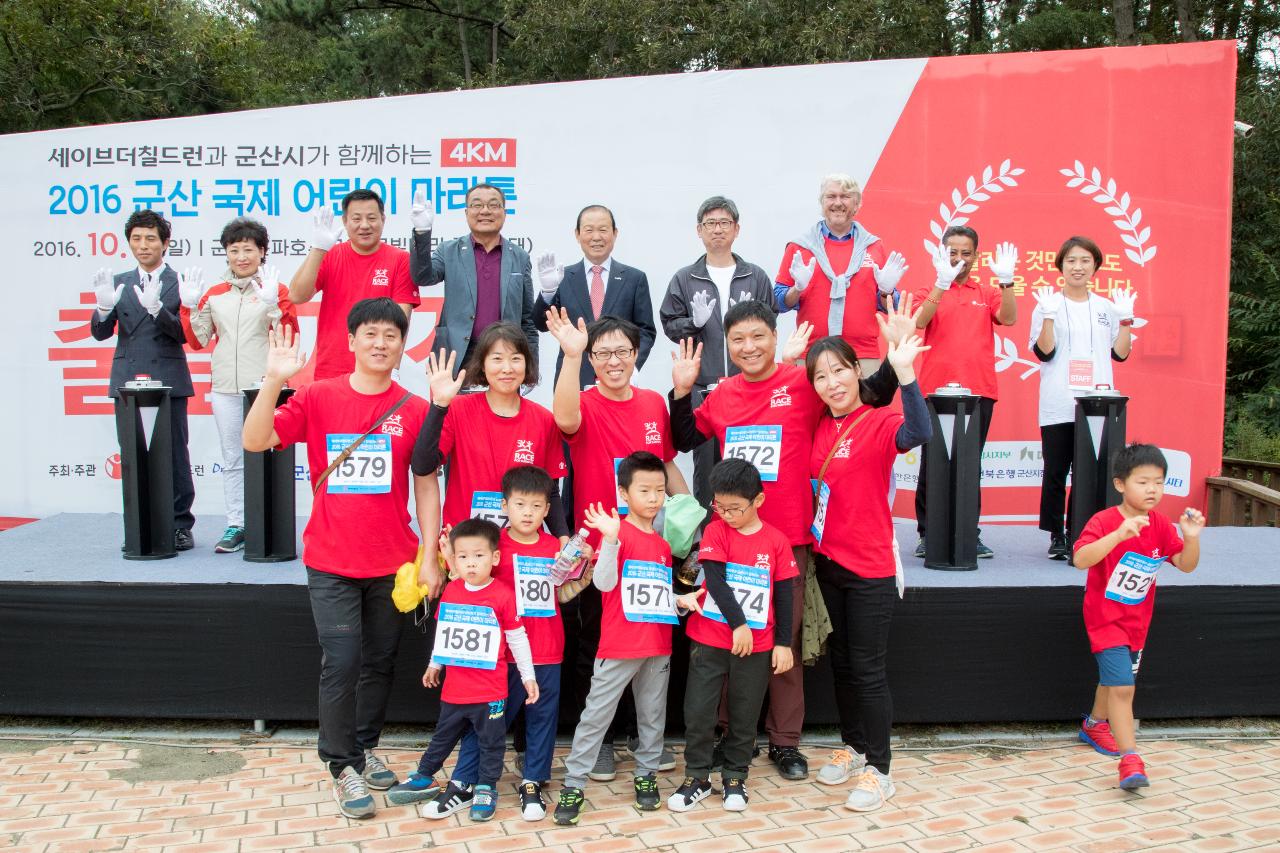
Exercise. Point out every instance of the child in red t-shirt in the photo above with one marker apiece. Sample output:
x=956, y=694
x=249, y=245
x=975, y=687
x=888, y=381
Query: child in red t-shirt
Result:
x=1123, y=547
x=749, y=567
x=476, y=623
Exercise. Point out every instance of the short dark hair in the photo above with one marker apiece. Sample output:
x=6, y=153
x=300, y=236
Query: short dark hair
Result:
x=836, y=346
x=528, y=480
x=609, y=323
x=487, y=186
x=1135, y=456
x=488, y=339
x=613, y=223
x=479, y=528
x=736, y=477
x=362, y=195
x=379, y=310
x=148, y=219
x=1081, y=243
x=244, y=228
x=718, y=202
x=750, y=309
x=641, y=460
x=961, y=231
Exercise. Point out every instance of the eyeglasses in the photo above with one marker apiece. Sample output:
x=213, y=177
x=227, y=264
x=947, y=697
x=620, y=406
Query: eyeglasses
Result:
x=478, y=206
x=621, y=353
x=718, y=224
x=728, y=511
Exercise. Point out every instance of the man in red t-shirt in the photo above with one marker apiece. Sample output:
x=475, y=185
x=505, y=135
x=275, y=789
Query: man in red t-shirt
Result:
x=959, y=315
x=837, y=273
x=364, y=267
x=359, y=430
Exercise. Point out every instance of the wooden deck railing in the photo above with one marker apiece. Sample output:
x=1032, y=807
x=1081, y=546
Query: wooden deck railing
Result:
x=1263, y=473
x=1235, y=502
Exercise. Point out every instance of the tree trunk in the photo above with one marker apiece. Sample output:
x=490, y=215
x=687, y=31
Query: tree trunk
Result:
x=1186, y=22
x=977, y=23
x=462, y=41
x=493, y=53
x=1122, y=10
x=1251, y=35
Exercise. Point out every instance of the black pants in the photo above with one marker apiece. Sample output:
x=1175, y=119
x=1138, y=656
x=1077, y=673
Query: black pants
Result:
x=745, y=680
x=861, y=610
x=1057, y=449
x=705, y=456
x=359, y=630
x=487, y=720
x=985, y=408
x=184, y=490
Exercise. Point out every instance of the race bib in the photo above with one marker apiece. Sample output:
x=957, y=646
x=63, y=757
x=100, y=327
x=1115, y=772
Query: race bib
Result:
x=1080, y=374
x=622, y=502
x=466, y=635
x=759, y=445
x=750, y=585
x=367, y=471
x=534, y=591
x=646, y=593
x=820, y=514
x=1133, y=578
x=488, y=505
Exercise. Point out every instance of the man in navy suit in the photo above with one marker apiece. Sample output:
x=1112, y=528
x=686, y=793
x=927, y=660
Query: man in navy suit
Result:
x=597, y=286
x=141, y=307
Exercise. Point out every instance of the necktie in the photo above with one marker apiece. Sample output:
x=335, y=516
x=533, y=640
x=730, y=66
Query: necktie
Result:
x=597, y=291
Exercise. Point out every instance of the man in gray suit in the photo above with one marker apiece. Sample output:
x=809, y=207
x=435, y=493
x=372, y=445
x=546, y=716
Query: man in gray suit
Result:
x=486, y=276
x=141, y=306
x=597, y=286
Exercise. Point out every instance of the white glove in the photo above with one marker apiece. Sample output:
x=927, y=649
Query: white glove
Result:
x=888, y=276
x=106, y=295
x=700, y=308
x=802, y=273
x=327, y=233
x=1005, y=262
x=1123, y=300
x=942, y=264
x=191, y=287
x=149, y=296
x=1048, y=300
x=550, y=274
x=269, y=285
x=421, y=214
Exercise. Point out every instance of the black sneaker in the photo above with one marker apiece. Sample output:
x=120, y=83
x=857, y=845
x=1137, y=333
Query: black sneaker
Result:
x=984, y=553
x=735, y=795
x=1058, y=548
x=790, y=763
x=919, y=552
x=647, y=799
x=689, y=794
x=183, y=540
x=569, y=807
x=452, y=799
x=532, y=806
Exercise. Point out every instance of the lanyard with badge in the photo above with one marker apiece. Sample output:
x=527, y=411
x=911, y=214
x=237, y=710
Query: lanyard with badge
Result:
x=466, y=635
x=750, y=585
x=822, y=492
x=1132, y=578
x=534, y=590
x=759, y=445
x=1080, y=372
x=646, y=592
x=369, y=472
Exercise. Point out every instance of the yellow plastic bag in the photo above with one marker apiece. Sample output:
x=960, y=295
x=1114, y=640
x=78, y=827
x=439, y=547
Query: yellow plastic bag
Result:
x=408, y=593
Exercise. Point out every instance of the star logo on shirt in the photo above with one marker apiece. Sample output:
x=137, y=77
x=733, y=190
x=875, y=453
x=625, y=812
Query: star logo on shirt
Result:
x=524, y=451
x=762, y=561
x=393, y=425
x=651, y=433
x=843, y=451
x=779, y=397
x=381, y=278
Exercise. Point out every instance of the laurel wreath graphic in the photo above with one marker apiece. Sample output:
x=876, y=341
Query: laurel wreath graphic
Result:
x=993, y=181
x=1092, y=185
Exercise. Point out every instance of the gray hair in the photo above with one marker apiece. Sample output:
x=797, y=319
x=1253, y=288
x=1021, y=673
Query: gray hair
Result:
x=846, y=182
x=718, y=202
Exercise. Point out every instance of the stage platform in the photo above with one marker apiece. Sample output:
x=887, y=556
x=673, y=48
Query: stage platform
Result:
x=85, y=633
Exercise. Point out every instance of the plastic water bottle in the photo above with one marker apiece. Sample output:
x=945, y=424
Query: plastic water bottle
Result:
x=570, y=559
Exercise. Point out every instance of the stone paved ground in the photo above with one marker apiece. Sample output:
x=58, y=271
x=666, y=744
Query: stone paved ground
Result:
x=1205, y=795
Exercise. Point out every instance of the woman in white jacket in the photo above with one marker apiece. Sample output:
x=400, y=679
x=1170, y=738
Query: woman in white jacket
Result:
x=1076, y=335
x=235, y=315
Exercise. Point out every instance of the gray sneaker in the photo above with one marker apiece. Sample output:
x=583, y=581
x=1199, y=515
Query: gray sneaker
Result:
x=666, y=761
x=351, y=793
x=870, y=793
x=376, y=774
x=606, y=769
x=843, y=765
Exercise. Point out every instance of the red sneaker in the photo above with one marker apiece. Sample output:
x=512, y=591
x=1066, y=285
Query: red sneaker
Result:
x=1099, y=737
x=1133, y=773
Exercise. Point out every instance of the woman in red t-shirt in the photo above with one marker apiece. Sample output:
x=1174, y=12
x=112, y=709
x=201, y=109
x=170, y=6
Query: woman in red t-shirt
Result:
x=855, y=551
x=480, y=436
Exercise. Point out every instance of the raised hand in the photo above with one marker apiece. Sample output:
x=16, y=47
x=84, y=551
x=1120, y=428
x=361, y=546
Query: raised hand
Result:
x=191, y=286
x=1191, y=522
x=149, y=296
x=550, y=274
x=700, y=308
x=1004, y=263
x=903, y=354
x=898, y=321
x=1133, y=527
x=607, y=523
x=421, y=214
x=326, y=232
x=269, y=285
x=802, y=273
x=686, y=364
x=283, y=358
x=888, y=276
x=1124, y=300
x=1048, y=300
x=103, y=290
x=573, y=339
x=796, y=345
x=444, y=386
x=947, y=272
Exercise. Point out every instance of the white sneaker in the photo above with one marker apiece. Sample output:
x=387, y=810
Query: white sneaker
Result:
x=870, y=793
x=842, y=766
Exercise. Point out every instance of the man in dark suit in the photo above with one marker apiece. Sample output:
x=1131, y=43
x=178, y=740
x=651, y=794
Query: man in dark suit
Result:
x=141, y=307
x=597, y=286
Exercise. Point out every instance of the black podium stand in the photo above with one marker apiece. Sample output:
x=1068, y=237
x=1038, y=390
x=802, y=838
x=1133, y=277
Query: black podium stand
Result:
x=953, y=482
x=270, y=505
x=146, y=464
x=1100, y=434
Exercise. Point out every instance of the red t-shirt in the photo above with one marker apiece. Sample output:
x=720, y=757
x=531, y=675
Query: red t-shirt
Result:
x=1110, y=621
x=861, y=299
x=768, y=553
x=482, y=446
x=466, y=685
x=359, y=524
x=546, y=633
x=346, y=277
x=620, y=637
x=962, y=336
x=610, y=431
x=750, y=413
x=857, y=528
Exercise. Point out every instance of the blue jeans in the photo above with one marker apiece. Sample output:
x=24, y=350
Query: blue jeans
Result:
x=540, y=720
